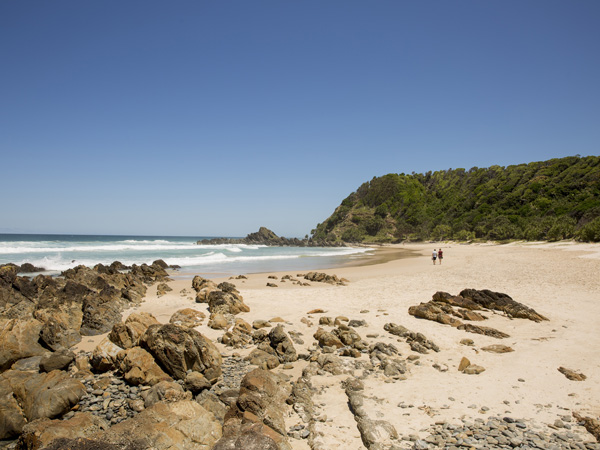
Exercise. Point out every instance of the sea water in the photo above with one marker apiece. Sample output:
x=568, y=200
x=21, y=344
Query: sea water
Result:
x=56, y=253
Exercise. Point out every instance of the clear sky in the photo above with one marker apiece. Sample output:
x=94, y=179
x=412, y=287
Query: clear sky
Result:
x=215, y=118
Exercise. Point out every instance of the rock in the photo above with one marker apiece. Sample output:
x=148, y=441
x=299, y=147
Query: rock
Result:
x=166, y=425
x=257, y=417
x=179, y=349
x=487, y=331
x=59, y=360
x=327, y=339
x=282, y=345
x=316, y=311
x=321, y=277
x=18, y=340
x=217, y=321
x=273, y=285
x=12, y=420
x=501, y=302
x=467, y=342
x=357, y=323
x=100, y=312
x=104, y=356
x=165, y=391
x=139, y=368
x=497, y=348
x=162, y=289
x=56, y=334
x=226, y=303
x=262, y=359
x=591, y=425
x=46, y=395
x=239, y=336
x=325, y=320
x=196, y=382
x=473, y=369
x=258, y=324
x=571, y=374
x=417, y=341
x=187, y=317
x=431, y=311
x=41, y=433
x=464, y=363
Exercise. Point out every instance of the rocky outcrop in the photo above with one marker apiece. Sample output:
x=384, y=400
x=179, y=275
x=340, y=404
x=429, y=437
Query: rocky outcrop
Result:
x=375, y=434
x=320, y=277
x=178, y=349
x=230, y=302
x=571, y=374
x=18, y=340
x=264, y=236
x=501, y=302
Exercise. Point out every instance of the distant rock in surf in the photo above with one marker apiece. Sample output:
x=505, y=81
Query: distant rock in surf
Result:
x=264, y=236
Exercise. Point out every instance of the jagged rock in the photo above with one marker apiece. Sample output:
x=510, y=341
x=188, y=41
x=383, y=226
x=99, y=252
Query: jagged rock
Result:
x=591, y=425
x=571, y=374
x=162, y=289
x=41, y=433
x=12, y=419
x=431, y=311
x=393, y=367
x=417, y=341
x=257, y=414
x=464, y=363
x=497, y=348
x=59, y=360
x=55, y=334
x=331, y=363
x=18, y=340
x=138, y=367
x=327, y=339
x=44, y=395
x=226, y=303
x=178, y=349
x=487, y=331
x=473, y=369
x=187, y=317
x=239, y=336
x=501, y=302
x=262, y=359
x=100, y=312
x=357, y=323
x=321, y=277
x=456, y=300
x=348, y=336
x=326, y=320
x=165, y=391
x=282, y=345
x=127, y=335
x=104, y=356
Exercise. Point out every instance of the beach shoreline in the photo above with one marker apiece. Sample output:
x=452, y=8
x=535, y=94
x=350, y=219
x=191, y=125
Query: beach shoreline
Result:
x=558, y=280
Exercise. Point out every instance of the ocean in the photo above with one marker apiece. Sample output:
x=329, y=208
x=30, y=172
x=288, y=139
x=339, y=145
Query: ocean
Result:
x=56, y=253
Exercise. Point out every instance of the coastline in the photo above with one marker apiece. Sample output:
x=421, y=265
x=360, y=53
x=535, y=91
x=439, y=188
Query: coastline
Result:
x=559, y=280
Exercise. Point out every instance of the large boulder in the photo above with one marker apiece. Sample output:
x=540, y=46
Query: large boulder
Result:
x=44, y=395
x=101, y=312
x=179, y=349
x=104, y=356
x=128, y=334
x=12, y=420
x=18, y=340
x=187, y=317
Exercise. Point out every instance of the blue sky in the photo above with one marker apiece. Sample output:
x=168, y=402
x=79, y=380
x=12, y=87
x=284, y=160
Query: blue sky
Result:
x=215, y=118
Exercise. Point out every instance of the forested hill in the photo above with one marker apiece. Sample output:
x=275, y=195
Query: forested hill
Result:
x=547, y=200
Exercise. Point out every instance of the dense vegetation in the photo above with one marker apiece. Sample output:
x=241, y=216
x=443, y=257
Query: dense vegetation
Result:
x=547, y=200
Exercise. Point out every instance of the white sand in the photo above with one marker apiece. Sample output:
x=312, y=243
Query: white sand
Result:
x=560, y=281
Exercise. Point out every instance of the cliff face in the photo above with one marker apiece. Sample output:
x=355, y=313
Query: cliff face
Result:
x=547, y=200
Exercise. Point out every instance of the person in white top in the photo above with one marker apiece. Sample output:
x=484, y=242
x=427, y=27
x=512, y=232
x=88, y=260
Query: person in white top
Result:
x=434, y=256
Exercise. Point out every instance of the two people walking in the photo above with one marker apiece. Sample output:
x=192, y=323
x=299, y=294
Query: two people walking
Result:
x=439, y=254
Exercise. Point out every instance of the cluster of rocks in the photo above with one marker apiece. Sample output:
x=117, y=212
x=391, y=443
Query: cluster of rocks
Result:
x=321, y=277
x=224, y=301
x=24, y=268
x=264, y=236
x=498, y=433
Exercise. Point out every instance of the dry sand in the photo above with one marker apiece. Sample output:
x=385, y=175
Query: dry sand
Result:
x=560, y=281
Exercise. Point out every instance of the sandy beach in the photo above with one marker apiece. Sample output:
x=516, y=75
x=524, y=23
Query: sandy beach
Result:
x=561, y=281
